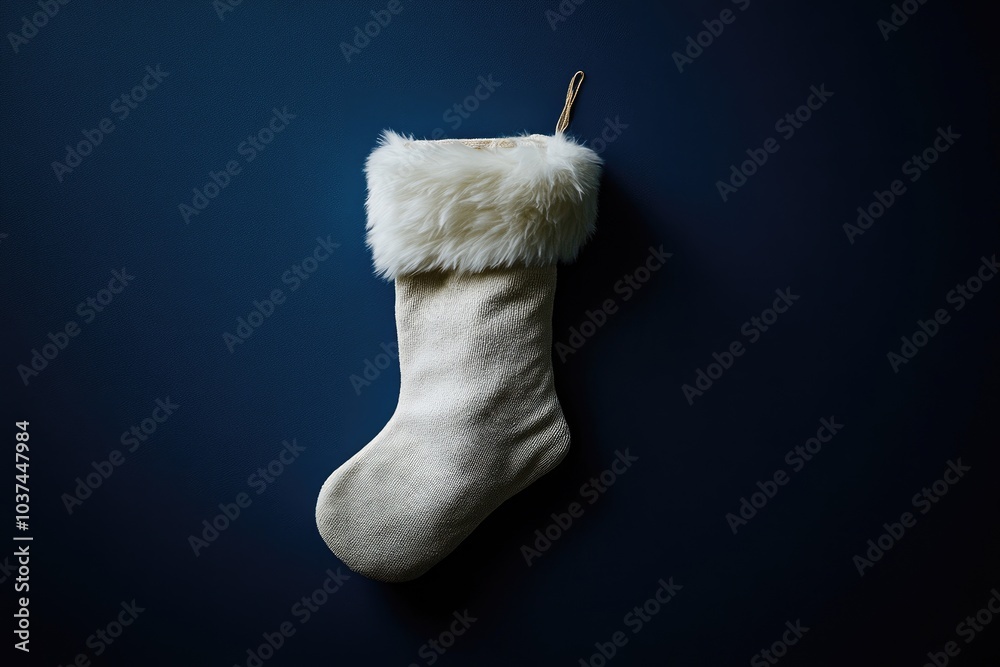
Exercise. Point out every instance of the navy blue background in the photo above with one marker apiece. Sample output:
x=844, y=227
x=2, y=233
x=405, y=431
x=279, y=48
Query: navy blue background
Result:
x=163, y=335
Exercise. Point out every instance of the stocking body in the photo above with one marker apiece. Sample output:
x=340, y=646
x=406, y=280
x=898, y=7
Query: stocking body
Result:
x=477, y=421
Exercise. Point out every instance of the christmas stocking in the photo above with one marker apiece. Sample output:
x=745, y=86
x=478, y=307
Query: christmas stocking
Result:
x=470, y=231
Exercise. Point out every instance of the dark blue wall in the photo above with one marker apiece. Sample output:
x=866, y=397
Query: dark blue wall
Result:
x=679, y=129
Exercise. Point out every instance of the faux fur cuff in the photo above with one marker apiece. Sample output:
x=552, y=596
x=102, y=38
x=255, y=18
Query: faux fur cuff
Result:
x=478, y=204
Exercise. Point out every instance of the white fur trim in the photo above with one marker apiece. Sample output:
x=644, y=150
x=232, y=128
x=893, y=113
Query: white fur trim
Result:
x=516, y=201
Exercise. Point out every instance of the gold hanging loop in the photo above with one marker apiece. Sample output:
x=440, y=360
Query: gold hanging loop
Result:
x=574, y=88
